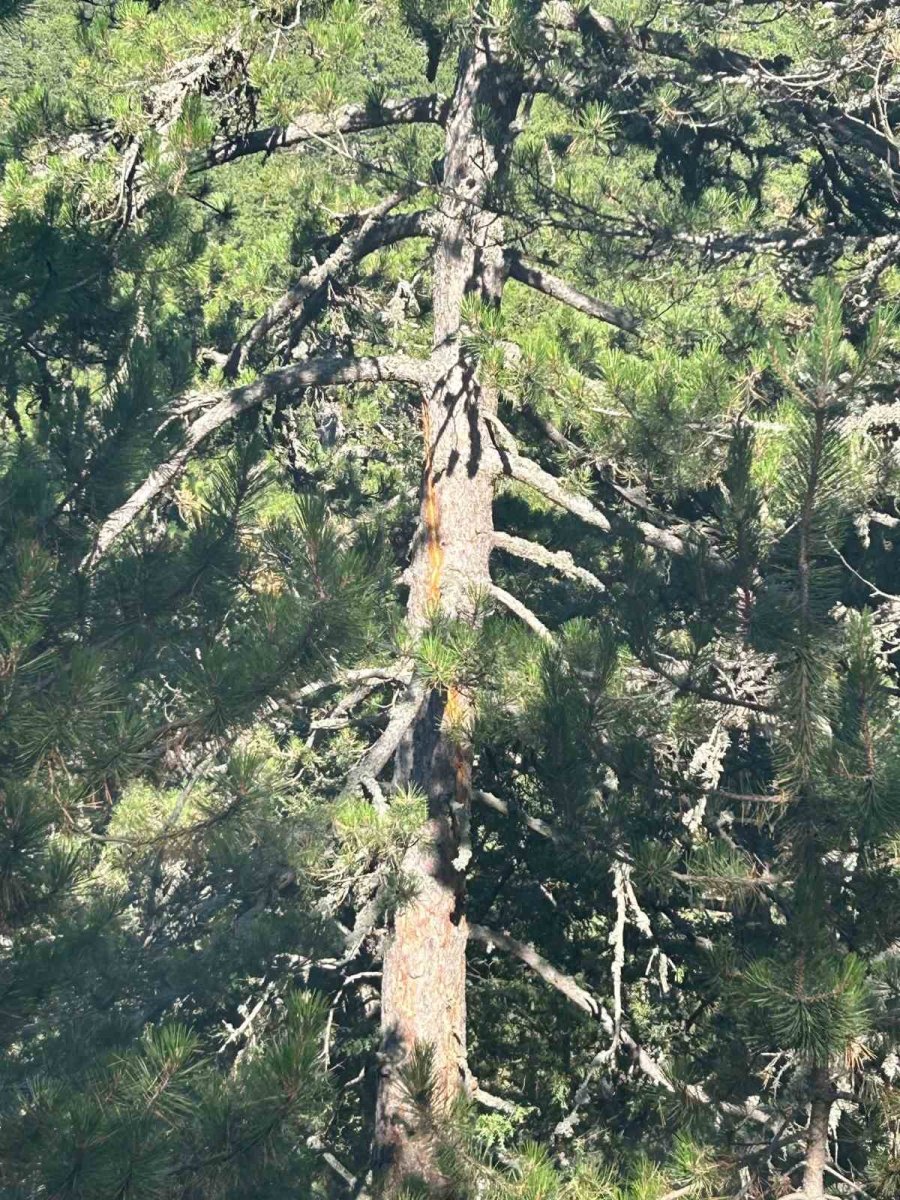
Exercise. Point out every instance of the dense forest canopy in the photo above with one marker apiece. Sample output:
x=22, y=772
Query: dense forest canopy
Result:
x=449, y=607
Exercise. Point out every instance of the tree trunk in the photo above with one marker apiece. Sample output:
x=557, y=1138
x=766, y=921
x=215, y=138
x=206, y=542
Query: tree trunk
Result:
x=817, y=1135
x=423, y=1000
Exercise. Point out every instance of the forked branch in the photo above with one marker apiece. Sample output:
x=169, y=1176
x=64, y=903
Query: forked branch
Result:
x=226, y=406
x=588, y=1003
x=307, y=296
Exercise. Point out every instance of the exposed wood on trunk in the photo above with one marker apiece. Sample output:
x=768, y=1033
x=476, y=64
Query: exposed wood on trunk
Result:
x=423, y=999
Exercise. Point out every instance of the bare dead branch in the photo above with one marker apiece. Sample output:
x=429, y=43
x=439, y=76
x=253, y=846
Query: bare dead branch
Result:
x=380, y=753
x=683, y=682
x=226, y=406
x=535, y=824
x=526, y=471
x=551, y=285
x=353, y=118
x=353, y=677
x=489, y=1100
x=588, y=1003
x=557, y=560
x=525, y=615
x=309, y=293
x=565, y=984
x=657, y=536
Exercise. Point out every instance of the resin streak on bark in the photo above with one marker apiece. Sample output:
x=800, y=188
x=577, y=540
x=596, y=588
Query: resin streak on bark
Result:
x=423, y=986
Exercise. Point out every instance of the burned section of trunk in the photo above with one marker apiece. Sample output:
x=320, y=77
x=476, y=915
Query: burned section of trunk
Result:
x=821, y=1100
x=423, y=1003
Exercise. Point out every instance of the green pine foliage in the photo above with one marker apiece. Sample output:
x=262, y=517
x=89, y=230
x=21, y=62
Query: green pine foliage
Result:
x=690, y=787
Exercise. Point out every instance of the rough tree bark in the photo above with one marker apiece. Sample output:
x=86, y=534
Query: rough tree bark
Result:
x=817, y=1134
x=423, y=1001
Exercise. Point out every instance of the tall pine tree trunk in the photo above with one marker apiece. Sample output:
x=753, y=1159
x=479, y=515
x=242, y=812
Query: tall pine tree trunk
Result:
x=423, y=1000
x=817, y=1135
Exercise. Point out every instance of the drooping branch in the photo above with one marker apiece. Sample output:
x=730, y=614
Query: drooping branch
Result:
x=656, y=535
x=551, y=285
x=353, y=118
x=557, y=560
x=525, y=615
x=588, y=1003
x=526, y=471
x=307, y=296
x=683, y=682
x=226, y=406
x=565, y=984
x=579, y=996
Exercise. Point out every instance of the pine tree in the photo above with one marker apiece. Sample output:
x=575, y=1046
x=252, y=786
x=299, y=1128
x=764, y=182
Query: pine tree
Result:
x=561, y=753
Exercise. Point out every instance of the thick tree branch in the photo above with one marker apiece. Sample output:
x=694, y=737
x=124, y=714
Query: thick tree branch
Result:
x=353, y=118
x=309, y=293
x=526, y=471
x=527, y=954
x=225, y=407
x=657, y=536
x=557, y=560
x=540, y=280
x=353, y=678
x=497, y=1103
